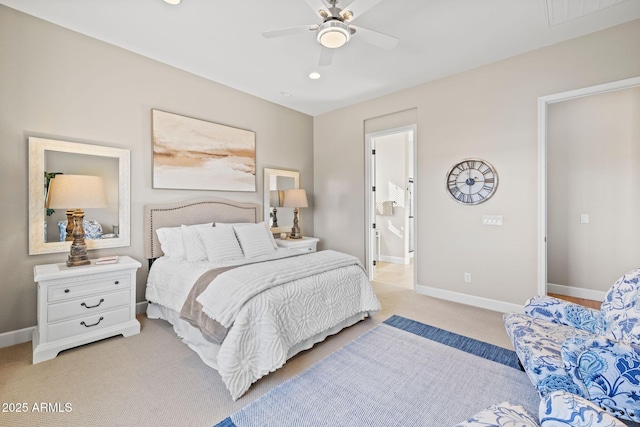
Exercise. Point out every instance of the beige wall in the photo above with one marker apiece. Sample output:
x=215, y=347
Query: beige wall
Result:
x=593, y=156
x=62, y=85
x=491, y=113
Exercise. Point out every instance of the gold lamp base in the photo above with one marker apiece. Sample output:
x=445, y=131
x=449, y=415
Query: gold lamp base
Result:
x=78, y=252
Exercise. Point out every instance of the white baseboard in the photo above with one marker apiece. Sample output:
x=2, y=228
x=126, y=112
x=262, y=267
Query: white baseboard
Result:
x=489, y=304
x=20, y=336
x=394, y=259
x=10, y=338
x=572, y=291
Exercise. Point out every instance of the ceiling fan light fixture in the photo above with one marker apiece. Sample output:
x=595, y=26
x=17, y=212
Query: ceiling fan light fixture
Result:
x=333, y=34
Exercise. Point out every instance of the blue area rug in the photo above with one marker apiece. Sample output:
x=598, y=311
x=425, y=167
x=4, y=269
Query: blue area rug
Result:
x=399, y=373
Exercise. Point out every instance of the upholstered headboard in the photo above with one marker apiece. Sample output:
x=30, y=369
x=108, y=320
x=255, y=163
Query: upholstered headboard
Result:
x=190, y=212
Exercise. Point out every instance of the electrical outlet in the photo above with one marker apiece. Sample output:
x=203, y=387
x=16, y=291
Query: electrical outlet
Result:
x=467, y=277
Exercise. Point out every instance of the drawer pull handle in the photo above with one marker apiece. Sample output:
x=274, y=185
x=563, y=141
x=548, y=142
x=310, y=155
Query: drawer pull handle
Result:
x=117, y=282
x=95, y=324
x=66, y=291
x=93, y=306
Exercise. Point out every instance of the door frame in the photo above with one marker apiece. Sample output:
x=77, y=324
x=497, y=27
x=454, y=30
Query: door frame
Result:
x=370, y=200
x=543, y=103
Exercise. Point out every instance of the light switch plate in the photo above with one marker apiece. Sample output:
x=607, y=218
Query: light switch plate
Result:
x=491, y=219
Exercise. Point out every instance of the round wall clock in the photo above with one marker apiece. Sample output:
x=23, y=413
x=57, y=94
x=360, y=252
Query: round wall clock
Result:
x=472, y=181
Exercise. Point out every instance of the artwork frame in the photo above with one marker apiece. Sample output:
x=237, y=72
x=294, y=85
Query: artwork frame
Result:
x=195, y=154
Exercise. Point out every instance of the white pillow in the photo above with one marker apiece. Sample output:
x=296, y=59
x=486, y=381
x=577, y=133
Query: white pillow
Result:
x=220, y=243
x=194, y=249
x=255, y=239
x=240, y=224
x=171, y=242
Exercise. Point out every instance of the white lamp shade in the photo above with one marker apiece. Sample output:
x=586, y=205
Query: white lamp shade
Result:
x=76, y=192
x=296, y=198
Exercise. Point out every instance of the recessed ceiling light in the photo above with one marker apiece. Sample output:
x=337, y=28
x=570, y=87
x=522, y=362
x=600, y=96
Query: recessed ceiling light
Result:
x=314, y=76
x=173, y=1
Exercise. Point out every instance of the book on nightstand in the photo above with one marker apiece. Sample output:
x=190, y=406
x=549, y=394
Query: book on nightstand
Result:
x=107, y=260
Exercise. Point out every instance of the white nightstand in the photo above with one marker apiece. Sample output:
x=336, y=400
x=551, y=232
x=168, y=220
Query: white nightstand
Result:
x=306, y=244
x=79, y=305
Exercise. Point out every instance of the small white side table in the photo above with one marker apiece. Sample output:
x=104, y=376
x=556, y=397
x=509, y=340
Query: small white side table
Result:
x=306, y=244
x=79, y=305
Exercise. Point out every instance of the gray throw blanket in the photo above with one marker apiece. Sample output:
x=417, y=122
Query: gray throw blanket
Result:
x=192, y=310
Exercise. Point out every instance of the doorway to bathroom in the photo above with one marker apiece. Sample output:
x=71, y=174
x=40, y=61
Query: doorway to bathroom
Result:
x=391, y=207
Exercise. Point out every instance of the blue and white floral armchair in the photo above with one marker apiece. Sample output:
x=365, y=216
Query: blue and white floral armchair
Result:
x=590, y=353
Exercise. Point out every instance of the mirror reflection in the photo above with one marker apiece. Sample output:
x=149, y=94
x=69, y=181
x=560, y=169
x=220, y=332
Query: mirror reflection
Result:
x=104, y=227
x=276, y=181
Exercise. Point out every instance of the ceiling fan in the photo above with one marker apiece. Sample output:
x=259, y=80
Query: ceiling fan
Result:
x=336, y=28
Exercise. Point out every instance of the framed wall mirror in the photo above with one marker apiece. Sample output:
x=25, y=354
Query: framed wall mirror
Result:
x=48, y=158
x=276, y=181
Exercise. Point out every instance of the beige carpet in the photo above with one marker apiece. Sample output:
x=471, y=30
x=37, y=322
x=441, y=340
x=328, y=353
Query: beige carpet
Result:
x=153, y=379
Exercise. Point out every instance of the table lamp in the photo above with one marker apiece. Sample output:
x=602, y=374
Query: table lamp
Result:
x=74, y=193
x=295, y=199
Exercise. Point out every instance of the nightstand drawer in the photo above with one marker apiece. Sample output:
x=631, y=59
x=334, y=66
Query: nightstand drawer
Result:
x=82, y=288
x=90, y=323
x=88, y=305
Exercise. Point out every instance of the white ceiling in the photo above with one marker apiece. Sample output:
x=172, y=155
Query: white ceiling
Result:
x=222, y=41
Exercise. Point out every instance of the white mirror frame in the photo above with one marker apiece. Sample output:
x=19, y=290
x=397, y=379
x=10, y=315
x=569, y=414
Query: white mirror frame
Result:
x=268, y=173
x=37, y=149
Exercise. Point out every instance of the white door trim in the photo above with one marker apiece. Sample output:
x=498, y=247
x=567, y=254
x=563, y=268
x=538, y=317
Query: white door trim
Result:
x=543, y=103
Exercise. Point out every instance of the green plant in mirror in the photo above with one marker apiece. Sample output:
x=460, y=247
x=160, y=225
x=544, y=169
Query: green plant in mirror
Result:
x=48, y=176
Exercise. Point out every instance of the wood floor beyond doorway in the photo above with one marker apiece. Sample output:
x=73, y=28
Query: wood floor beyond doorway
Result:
x=582, y=301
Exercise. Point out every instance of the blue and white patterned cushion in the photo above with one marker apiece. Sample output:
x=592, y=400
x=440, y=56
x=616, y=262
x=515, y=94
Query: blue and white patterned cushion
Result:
x=562, y=409
x=609, y=371
x=566, y=313
x=557, y=409
x=503, y=414
x=538, y=344
x=92, y=229
x=621, y=308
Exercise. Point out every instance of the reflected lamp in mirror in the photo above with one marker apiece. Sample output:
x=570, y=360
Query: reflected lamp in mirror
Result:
x=276, y=198
x=75, y=193
x=295, y=199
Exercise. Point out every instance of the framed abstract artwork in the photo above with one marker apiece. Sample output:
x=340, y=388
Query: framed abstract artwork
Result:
x=193, y=154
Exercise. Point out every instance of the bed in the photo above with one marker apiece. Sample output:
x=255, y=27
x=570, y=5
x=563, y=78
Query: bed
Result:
x=243, y=304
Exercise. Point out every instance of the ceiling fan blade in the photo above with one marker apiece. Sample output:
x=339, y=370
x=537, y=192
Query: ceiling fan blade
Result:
x=326, y=56
x=289, y=31
x=375, y=38
x=357, y=8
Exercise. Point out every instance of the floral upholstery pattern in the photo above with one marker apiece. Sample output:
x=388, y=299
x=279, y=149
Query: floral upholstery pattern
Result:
x=503, y=414
x=589, y=353
x=92, y=229
x=557, y=409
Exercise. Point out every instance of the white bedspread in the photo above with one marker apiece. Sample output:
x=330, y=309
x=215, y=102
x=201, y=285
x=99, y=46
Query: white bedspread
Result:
x=223, y=300
x=270, y=319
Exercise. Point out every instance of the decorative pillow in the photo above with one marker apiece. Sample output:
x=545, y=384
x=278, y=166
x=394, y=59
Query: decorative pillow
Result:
x=240, y=224
x=220, y=243
x=171, y=242
x=503, y=414
x=255, y=239
x=621, y=308
x=194, y=249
